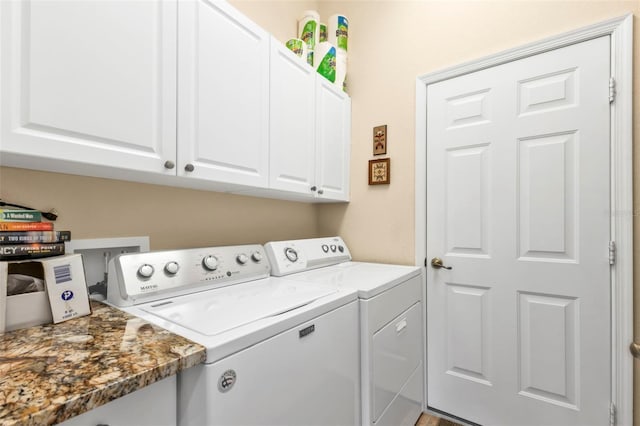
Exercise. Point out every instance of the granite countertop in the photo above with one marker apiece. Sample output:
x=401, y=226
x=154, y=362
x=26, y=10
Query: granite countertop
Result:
x=51, y=373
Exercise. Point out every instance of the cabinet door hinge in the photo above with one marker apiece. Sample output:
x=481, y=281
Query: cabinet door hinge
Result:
x=612, y=252
x=612, y=89
x=612, y=414
x=425, y=262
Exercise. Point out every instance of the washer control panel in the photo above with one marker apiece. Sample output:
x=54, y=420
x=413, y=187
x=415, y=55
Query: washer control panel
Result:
x=144, y=277
x=288, y=257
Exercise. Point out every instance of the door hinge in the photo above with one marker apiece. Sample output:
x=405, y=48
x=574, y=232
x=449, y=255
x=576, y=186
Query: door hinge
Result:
x=612, y=89
x=612, y=252
x=612, y=414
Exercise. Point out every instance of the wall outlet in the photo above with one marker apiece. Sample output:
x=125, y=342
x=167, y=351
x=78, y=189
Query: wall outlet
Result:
x=96, y=254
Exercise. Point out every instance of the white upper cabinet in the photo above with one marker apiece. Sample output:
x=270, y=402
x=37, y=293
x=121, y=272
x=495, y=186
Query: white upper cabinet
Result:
x=223, y=95
x=292, y=132
x=310, y=130
x=176, y=92
x=333, y=141
x=88, y=82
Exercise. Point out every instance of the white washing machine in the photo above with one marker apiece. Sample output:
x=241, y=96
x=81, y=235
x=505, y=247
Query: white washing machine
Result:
x=279, y=352
x=391, y=321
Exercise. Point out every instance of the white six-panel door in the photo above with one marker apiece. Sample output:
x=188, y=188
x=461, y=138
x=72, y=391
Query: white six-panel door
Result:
x=518, y=207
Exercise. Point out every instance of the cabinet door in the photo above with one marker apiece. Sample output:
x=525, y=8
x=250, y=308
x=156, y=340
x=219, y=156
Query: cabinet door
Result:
x=88, y=82
x=153, y=405
x=223, y=94
x=292, y=129
x=333, y=141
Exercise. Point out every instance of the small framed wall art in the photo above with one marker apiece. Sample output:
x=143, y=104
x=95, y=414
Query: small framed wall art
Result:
x=380, y=140
x=380, y=171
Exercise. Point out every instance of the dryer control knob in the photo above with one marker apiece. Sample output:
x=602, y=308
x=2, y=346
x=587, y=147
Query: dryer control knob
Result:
x=257, y=257
x=171, y=268
x=291, y=254
x=145, y=271
x=242, y=258
x=210, y=263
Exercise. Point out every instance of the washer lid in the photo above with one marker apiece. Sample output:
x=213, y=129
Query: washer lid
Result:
x=216, y=311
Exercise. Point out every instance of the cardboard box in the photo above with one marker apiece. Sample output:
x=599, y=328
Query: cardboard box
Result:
x=42, y=291
x=66, y=287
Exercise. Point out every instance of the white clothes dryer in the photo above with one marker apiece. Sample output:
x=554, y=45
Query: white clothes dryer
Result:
x=279, y=352
x=391, y=321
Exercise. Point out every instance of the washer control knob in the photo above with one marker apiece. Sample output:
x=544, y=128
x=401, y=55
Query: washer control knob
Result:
x=257, y=257
x=291, y=254
x=210, y=263
x=145, y=271
x=171, y=268
x=333, y=248
x=242, y=258
x=341, y=249
x=325, y=248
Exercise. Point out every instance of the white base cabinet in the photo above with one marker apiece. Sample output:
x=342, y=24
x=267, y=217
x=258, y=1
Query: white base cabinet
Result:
x=184, y=93
x=153, y=405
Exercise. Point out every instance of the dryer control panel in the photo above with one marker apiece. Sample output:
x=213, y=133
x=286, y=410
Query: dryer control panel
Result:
x=144, y=277
x=288, y=257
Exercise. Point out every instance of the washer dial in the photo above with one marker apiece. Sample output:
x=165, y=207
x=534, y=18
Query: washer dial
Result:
x=256, y=257
x=242, y=258
x=171, y=268
x=210, y=263
x=291, y=254
x=145, y=271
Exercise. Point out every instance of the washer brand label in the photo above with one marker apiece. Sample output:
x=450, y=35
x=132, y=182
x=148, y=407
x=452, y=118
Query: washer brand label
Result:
x=149, y=287
x=226, y=381
x=307, y=330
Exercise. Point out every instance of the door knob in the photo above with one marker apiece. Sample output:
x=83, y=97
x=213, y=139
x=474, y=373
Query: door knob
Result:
x=436, y=263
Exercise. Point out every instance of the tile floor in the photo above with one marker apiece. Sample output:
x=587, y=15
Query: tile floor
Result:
x=429, y=420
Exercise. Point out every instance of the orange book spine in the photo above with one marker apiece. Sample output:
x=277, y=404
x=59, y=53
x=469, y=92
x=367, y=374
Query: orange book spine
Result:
x=26, y=226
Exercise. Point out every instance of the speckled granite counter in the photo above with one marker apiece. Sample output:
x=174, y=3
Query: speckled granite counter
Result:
x=54, y=372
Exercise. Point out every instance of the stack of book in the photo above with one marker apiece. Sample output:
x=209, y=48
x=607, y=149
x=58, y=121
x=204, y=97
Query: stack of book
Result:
x=23, y=235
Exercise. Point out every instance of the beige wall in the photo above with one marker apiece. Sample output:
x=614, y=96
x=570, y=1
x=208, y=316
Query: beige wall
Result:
x=171, y=217
x=390, y=44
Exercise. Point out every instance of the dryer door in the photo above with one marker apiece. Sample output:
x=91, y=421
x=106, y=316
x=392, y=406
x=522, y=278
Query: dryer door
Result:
x=396, y=355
